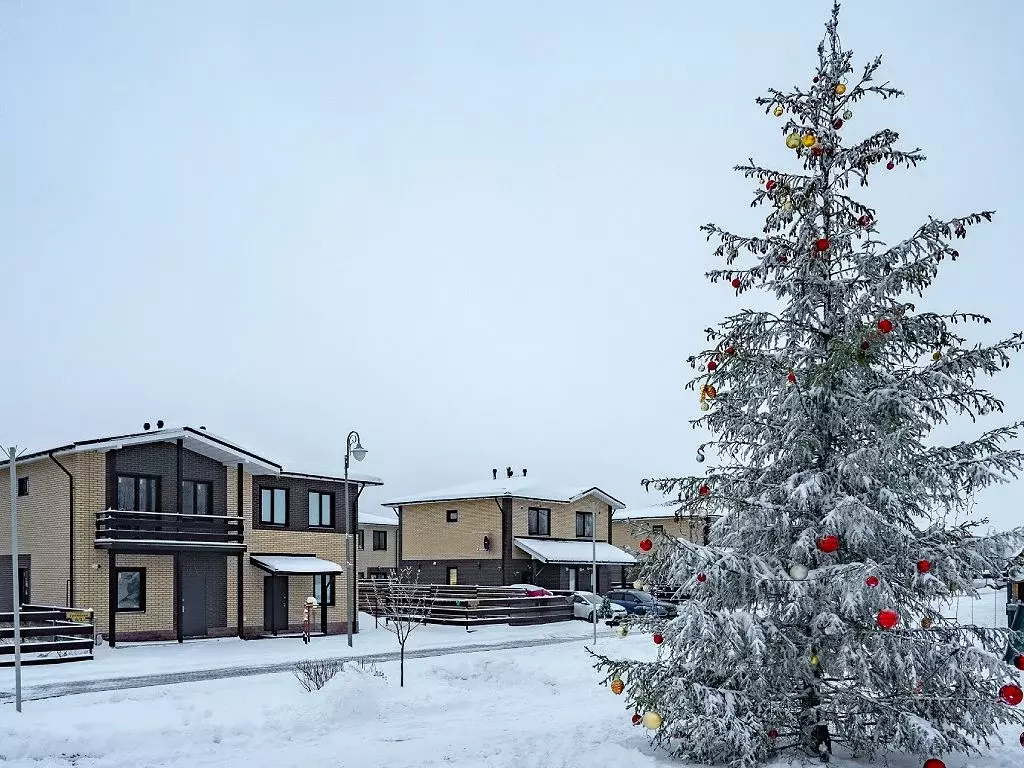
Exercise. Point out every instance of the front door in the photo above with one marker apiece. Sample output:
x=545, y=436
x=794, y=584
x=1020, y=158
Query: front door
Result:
x=193, y=605
x=275, y=603
x=572, y=579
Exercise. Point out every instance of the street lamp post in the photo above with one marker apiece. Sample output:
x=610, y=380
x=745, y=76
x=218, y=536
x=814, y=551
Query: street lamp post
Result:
x=353, y=448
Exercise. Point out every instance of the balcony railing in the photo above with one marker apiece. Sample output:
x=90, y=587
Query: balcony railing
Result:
x=119, y=529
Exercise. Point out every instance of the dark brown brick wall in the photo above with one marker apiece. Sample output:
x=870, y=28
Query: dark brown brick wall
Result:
x=161, y=459
x=483, y=573
x=298, y=502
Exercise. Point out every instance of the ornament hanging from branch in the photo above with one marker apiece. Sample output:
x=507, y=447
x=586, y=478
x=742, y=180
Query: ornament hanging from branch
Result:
x=887, y=619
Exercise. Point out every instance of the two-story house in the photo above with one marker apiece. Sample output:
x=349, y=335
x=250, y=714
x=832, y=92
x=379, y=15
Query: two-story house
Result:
x=629, y=526
x=176, y=533
x=378, y=544
x=510, y=529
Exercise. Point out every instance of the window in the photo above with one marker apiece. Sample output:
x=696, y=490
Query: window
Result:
x=453, y=575
x=138, y=493
x=380, y=541
x=196, y=497
x=24, y=586
x=361, y=539
x=584, y=525
x=452, y=515
x=321, y=509
x=131, y=589
x=540, y=522
x=23, y=486
x=330, y=590
x=659, y=528
x=273, y=506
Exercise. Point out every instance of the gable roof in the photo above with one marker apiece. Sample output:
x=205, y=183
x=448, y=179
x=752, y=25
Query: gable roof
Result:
x=665, y=509
x=384, y=519
x=509, y=487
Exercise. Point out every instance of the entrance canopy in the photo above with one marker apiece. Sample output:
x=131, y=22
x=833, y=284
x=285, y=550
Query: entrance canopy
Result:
x=295, y=565
x=579, y=552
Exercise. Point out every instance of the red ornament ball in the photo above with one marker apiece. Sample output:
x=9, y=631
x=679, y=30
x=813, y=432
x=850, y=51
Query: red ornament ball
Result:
x=828, y=543
x=730, y=350
x=637, y=718
x=770, y=184
x=791, y=378
x=701, y=578
x=888, y=619
x=890, y=165
x=865, y=345
x=646, y=544
x=658, y=639
x=822, y=244
x=885, y=326
x=712, y=365
x=954, y=254
x=871, y=581
x=773, y=734
x=934, y=763
x=1019, y=662
x=1011, y=694
x=923, y=566
x=864, y=220
x=837, y=123
x=816, y=150
x=736, y=283
x=815, y=79
x=703, y=490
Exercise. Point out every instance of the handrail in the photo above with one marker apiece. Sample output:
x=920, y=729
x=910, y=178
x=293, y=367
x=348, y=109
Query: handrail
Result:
x=116, y=512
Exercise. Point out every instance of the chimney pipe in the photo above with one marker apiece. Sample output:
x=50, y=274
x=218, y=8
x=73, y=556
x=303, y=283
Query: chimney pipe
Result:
x=524, y=472
x=495, y=473
x=509, y=472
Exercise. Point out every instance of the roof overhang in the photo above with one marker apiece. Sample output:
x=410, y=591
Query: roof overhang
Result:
x=352, y=478
x=295, y=565
x=529, y=493
x=573, y=552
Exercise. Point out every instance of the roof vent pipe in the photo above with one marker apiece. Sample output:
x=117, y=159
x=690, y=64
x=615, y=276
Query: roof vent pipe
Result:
x=495, y=473
x=509, y=472
x=145, y=426
x=160, y=424
x=524, y=472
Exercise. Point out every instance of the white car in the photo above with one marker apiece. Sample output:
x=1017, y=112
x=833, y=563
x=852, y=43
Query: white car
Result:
x=584, y=604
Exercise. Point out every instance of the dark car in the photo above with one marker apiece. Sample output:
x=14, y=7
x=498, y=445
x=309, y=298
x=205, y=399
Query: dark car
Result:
x=641, y=603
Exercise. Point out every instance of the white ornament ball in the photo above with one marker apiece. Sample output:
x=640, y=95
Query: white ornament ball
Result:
x=798, y=571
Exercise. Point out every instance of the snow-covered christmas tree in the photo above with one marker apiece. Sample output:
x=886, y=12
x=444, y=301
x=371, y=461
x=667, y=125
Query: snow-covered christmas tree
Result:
x=814, y=614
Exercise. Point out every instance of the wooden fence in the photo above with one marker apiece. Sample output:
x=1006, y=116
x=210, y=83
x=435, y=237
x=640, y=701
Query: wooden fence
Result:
x=49, y=635
x=462, y=605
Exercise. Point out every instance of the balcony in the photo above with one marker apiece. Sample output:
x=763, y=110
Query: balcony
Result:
x=126, y=531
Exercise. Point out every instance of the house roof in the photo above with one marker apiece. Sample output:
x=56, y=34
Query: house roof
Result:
x=509, y=487
x=665, y=509
x=383, y=519
x=295, y=564
x=197, y=440
x=353, y=477
x=560, y=551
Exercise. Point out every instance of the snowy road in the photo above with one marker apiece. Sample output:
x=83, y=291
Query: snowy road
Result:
x=78, y=687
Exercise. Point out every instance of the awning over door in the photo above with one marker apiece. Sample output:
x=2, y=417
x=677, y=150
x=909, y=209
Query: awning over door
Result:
x=578, y=552
x=295, y=565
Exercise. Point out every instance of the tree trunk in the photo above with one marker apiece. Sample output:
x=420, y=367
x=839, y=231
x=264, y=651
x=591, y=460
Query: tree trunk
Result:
x=401, y=666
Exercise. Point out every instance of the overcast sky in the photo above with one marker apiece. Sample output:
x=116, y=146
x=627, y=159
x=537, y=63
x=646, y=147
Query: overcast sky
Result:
x=469, y=230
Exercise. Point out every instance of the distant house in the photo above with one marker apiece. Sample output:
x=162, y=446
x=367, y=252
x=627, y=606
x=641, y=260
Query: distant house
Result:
x=510, y=529
x=629, y=526
x=378, y=544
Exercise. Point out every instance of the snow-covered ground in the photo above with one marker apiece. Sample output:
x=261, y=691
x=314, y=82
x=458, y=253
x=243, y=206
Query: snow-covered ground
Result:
x=535, y=707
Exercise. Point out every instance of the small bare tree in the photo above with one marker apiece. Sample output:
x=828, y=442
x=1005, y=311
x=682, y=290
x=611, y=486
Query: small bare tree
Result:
x=405, y=605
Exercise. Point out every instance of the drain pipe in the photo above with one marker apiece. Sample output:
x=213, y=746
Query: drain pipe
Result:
x=71, y=531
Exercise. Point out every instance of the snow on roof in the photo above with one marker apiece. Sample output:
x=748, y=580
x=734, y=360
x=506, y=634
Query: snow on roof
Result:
x=291, y=564
x=515, y=487
x=574, y=551
x=367, y=518
x=353, y=477
x=665, y=509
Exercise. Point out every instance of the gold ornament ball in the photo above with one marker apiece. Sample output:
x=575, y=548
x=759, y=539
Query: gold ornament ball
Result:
x=793, y=140
x=936, y=355
x=652, y=721
x=926, y=622
x=617, y=687
x=778, y=111
x=705, y=406
x=809, y=140
x=638, y=585
x=840, y=89
x=814, y=661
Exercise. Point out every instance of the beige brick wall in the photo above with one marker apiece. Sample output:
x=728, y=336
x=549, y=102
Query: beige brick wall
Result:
x=427, y=535
x=42, y=527
x=563, y=517
x=370, y=558
x=159, y=613
x=629, y=533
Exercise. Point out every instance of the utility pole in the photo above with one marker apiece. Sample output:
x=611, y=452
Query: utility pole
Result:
x=12, y=455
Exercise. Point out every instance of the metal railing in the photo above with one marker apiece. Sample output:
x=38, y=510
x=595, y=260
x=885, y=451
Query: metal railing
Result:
x=49, y=635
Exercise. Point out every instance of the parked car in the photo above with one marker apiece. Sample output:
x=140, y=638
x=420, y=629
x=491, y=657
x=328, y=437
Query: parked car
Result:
x=585, y=603
x=532, y=590
x=641, y=603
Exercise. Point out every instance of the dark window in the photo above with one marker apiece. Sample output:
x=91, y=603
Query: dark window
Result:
x=24, y=586
x=131, y=589
x=196, y=497
x=361, y=539
x=585, y=524
x=330, y=590
x=273, y=506
x=453, y=575
x=380, y=541
x=321, y=510
x=138, y=493
x=23, y=486
x=659, y=528
x=540, y=522
x=452, y=515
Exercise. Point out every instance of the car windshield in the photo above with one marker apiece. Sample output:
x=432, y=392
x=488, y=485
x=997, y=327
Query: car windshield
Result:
x=643, y=597
x=590, y=597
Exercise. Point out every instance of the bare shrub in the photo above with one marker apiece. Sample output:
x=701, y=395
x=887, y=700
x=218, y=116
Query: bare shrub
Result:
x=315, y=674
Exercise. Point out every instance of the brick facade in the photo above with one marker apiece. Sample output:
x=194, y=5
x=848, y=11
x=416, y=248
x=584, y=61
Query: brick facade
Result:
x=628, y=533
